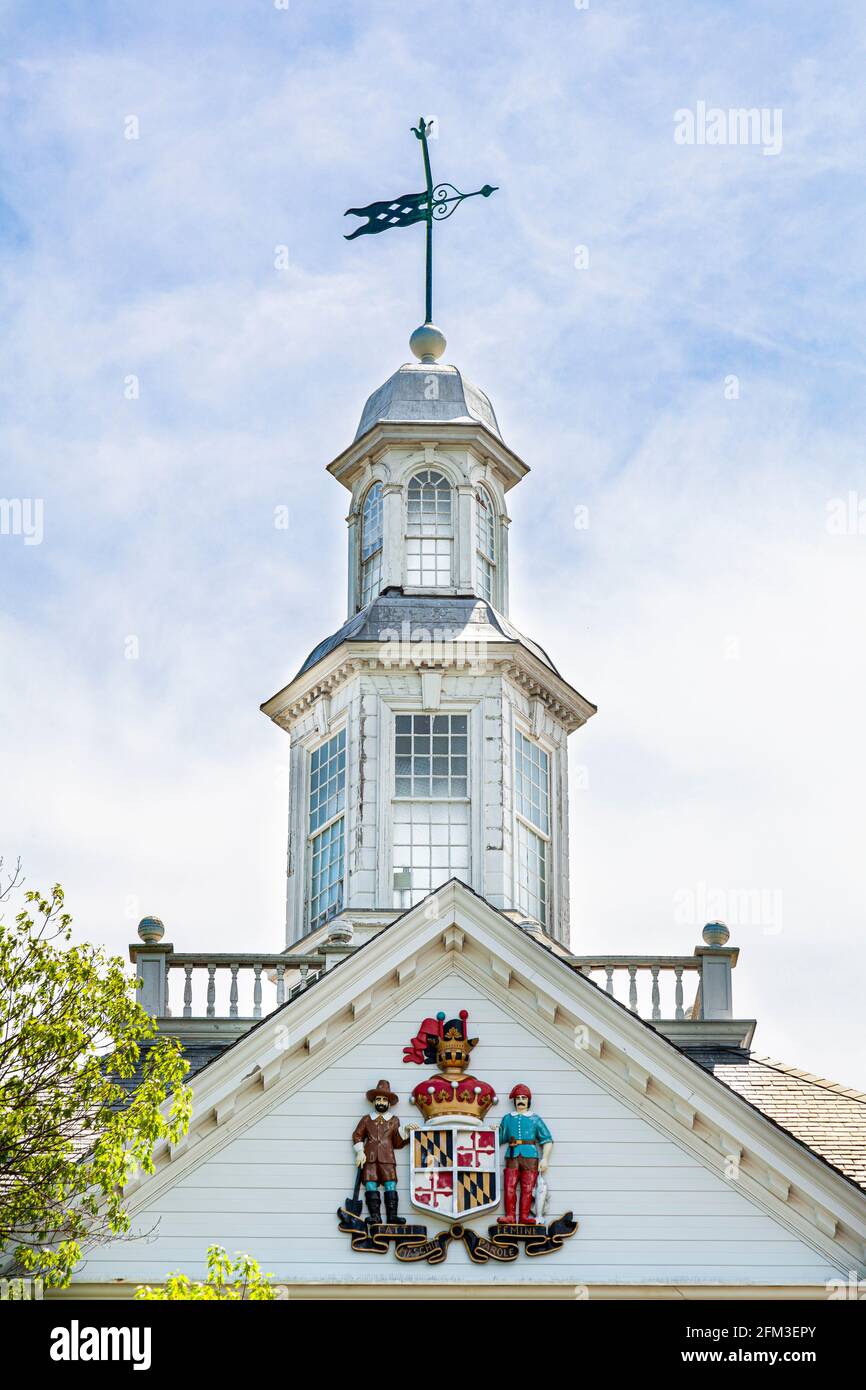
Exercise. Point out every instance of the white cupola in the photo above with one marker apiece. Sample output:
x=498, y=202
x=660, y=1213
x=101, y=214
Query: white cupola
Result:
x=428, y=736
x=428, y=511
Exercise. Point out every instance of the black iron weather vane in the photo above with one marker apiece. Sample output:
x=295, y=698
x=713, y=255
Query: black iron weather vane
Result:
x=437, y=202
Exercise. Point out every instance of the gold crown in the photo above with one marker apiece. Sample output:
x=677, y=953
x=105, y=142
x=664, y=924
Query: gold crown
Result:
x=465, y=1096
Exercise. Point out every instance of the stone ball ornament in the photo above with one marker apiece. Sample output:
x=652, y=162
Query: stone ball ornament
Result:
x=151, y=930
x=428, y=343
x=715, y=934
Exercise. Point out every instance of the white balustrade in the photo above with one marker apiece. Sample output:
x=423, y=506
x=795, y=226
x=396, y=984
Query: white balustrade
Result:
x=651, y=986
x=245, y=986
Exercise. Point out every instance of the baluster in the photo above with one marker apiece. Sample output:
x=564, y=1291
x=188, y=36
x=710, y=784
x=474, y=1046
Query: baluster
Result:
x=632, y=988
x=257, y=990
x=657, y=1013
x=233, y=993
x=211, y=990
x=678, y=971
x=608, y=970
x=187, y=991
x=304, y=972
x=281, y=985
x=167, y=1008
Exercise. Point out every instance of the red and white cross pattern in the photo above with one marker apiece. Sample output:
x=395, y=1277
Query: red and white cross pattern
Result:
x=476, y=1149
x=434, y=1188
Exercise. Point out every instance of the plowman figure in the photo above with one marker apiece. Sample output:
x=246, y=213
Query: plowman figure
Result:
x=375, y=1138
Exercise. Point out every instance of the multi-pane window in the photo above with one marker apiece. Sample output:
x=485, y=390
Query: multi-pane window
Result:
x=327, y=812
x=371, y=545
x=532, y=804
x=485, y=543
x=531, y=873
x=431, y=845
x=431, y=805
x=431, y=755
x=429, y=530
x=532, y=782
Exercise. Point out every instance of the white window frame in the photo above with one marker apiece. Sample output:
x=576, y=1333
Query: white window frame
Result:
x=377, y=556
x=389, y=707
x=520, y=819
x=484, y=502
x=312, y=835
x=435, y=798
x=410, y=534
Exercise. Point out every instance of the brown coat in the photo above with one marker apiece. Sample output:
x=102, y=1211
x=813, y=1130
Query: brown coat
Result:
x=380, y=1138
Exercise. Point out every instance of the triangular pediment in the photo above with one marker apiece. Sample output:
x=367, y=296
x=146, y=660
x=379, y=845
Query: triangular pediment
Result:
x=641, y=1125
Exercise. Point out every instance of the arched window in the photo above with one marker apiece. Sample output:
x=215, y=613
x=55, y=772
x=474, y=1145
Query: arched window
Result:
x=371, y=545
x=429, y=531
x=485, y=544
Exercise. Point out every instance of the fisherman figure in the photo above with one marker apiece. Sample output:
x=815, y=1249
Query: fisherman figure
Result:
x=375, y=1138
x=522, y=1133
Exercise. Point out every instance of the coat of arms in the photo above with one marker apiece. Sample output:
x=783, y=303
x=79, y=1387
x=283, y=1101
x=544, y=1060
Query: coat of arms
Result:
x=460, y=1167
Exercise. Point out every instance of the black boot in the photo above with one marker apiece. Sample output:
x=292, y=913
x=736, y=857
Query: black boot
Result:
x=374, y=1204
x=391, y=1210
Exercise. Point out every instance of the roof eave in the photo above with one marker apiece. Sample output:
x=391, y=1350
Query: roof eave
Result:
x=307, y=687
x=418, y=432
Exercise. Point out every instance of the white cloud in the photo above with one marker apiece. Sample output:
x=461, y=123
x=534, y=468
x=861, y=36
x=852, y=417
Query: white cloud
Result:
x=158, y=781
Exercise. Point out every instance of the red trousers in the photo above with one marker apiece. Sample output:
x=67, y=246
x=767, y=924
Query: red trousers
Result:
x=522, y=1172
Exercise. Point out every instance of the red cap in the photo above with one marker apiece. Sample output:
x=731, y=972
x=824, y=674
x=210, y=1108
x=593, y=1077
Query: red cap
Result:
x=520, y=1090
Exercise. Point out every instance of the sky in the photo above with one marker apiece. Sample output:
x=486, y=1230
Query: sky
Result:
x=671, y=330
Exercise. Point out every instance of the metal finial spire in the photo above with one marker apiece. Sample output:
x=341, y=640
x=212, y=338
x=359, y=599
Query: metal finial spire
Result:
x=437, y=202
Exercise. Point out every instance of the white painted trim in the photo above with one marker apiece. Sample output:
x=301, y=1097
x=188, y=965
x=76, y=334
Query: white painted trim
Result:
x=384, y=837
x=121, y=1290
x=315, y=739
x=523, y=669
x=474, y=437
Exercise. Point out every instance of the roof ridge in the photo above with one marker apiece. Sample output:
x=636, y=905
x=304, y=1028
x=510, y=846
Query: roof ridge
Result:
x=822, y=1082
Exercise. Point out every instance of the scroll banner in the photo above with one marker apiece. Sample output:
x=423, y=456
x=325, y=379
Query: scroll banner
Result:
x=412, y=1243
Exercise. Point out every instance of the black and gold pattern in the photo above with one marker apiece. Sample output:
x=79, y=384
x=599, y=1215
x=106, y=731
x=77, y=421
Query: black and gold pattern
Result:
x=475, y=1190
x=434, y=1148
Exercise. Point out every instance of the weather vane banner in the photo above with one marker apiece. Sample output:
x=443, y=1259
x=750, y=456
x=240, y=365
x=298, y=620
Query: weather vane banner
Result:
x=436, y=203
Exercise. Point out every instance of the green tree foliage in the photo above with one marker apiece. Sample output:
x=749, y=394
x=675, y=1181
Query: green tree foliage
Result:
x=71, y=1132
x=228, y=1281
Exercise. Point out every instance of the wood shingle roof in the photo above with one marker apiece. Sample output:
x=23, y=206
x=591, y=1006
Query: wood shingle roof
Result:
x=828, y=1117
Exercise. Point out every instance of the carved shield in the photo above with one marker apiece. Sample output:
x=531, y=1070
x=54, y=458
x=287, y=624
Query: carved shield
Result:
x=455, y=1170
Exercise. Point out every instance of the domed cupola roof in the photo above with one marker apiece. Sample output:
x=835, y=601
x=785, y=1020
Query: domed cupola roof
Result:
x=409, y=397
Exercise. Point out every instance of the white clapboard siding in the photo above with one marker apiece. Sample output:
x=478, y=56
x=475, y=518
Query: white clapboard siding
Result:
x=619, y=1203
x=584, y=1181
x=649, y=1210
x=306, y=1228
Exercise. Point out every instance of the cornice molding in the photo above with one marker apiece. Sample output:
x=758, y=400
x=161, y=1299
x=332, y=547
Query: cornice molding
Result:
x=511, y=659
x=473, y=435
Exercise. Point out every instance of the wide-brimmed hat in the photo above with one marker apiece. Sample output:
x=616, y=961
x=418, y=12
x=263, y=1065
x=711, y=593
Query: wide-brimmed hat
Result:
x=383, y=1089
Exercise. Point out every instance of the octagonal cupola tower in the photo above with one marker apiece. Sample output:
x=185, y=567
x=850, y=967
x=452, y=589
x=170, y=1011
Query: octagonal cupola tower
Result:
x=428, y=735
x=428, y=512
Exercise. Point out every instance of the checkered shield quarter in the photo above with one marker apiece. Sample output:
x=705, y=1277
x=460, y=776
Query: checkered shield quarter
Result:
x=455, y=1170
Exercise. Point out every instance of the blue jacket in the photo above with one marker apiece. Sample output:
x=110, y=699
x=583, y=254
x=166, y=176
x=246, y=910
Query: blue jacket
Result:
x=522, y=1131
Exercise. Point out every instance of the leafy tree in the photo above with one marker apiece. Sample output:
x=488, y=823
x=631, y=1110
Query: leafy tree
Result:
x=76, y=1121
x=228, y=1281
